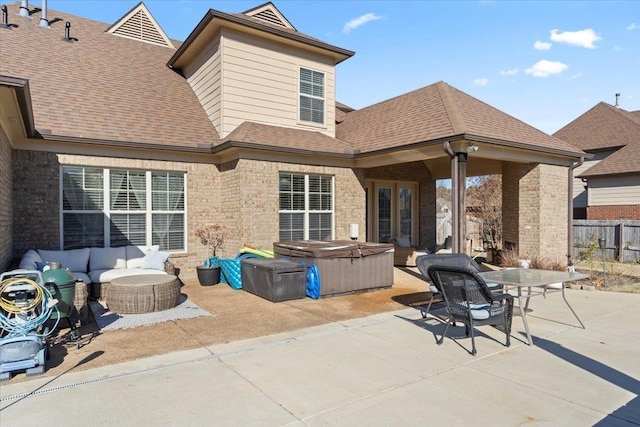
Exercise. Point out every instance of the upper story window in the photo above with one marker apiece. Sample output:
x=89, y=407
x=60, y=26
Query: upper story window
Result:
x=311, y=96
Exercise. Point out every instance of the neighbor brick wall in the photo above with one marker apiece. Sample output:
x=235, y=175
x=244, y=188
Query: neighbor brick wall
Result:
x=614, y=212
x=415, y=172
x=6, y=202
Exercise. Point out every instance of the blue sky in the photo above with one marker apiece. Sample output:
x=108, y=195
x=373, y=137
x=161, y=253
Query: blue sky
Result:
x=544, y=62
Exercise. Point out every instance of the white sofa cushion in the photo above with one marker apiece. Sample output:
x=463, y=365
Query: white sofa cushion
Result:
x=73, y=259
x=136, y=254
x=29, y=260
x=107, y=275
x=107, y=259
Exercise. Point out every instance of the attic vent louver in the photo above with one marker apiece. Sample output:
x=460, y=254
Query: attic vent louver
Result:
x=138, y=24
x=269, y=16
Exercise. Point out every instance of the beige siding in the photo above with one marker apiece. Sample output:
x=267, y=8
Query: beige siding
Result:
x=623, y=190
x=204, y=76
x=260, y=83
x=579, y=192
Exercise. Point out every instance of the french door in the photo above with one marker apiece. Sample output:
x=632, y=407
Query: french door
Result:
x=392, y=210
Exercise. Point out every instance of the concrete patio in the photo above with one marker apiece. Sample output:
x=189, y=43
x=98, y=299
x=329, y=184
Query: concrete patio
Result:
x=381, y=369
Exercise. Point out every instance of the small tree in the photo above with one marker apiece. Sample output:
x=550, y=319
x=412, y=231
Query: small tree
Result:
x=212, y=236
x=484, y=196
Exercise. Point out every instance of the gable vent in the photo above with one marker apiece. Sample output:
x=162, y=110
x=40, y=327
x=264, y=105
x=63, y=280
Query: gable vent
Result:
x=138, y=24
x=269, y=16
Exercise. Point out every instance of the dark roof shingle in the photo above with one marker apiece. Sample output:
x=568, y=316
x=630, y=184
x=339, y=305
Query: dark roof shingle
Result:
x=603, y=126
x=436, y=112
x=101, y=86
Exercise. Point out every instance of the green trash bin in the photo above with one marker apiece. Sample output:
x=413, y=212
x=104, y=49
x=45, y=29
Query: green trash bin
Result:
x=62, y=285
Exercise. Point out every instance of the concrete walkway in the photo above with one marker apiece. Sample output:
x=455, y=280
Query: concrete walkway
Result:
x=382, y=370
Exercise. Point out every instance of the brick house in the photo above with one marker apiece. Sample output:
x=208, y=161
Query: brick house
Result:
x=116, y=134
x=607, y=186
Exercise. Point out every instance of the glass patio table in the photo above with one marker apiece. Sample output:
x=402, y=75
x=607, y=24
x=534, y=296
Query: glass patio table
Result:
x=537, y=282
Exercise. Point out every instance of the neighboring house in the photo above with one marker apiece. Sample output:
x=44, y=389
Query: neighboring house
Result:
x=607, y=186
x=116, y=134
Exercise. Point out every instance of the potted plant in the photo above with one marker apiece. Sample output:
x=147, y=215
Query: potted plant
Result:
x=212, y=236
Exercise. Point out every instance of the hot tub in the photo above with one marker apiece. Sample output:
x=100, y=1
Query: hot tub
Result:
x=344, y=265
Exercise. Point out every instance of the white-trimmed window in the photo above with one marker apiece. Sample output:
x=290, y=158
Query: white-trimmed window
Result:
x=119, y=207
x=306, y=207
x=311, y=96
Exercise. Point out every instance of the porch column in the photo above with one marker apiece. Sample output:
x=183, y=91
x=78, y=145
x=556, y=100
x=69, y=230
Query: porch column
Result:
x=458, y=198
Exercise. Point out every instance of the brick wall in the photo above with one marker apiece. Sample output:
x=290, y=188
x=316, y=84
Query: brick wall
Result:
x=614, y=212
x=6, y=202
x=510, y=202
x=241, y=195
x=534, y=209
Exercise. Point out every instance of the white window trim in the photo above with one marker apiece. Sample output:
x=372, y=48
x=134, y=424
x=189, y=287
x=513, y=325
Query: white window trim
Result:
x=322, y=125
x=107, y=211
x=306, y=212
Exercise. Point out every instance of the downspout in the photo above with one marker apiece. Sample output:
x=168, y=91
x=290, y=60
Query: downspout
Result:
x=570, y=213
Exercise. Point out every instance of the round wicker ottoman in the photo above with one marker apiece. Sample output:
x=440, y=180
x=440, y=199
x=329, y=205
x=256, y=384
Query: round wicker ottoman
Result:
x=143, y=294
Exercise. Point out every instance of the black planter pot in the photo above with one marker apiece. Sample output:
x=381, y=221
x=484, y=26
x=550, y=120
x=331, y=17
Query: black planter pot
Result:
x=208, y=276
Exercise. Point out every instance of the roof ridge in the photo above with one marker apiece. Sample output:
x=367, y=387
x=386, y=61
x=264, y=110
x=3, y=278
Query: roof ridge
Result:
x=453, y=115
x=624, y=113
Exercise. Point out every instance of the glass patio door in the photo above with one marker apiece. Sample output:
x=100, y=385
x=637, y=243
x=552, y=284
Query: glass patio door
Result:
x=393, y=210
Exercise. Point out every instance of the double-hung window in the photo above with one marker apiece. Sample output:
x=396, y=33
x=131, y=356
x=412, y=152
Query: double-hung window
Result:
x=306, y=207
x=118, y=207
x=312, y=96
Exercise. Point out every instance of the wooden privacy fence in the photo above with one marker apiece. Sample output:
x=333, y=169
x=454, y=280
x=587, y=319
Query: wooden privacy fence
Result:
x=622, y=238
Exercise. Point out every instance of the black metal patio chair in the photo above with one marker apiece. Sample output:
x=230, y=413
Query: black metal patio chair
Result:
x=470, y=301
x=423, y=263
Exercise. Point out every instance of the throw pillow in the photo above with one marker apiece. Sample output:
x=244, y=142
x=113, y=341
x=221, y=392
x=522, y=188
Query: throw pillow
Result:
x=155, y=259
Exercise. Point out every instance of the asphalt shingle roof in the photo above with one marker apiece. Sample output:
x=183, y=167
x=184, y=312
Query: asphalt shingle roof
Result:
x=623, y=161
x=290, y=139
x=603, y=126
x=437, y=112
x=101, y=86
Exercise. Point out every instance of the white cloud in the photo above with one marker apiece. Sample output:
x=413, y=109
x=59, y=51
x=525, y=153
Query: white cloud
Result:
x=509, y=72
x=538, y=45
x=546, y=68
x=575, y=76
x=618, y=48
x=481, y=81
x=357, y=22
x=633, y=26
x=583, y=38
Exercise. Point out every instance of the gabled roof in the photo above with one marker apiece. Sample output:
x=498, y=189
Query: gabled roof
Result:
x=268, y=12
x=624, y=161
x=101, y=87
x=138, y=24
x=438, y=112
x=208, y=27
x=603, y=126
